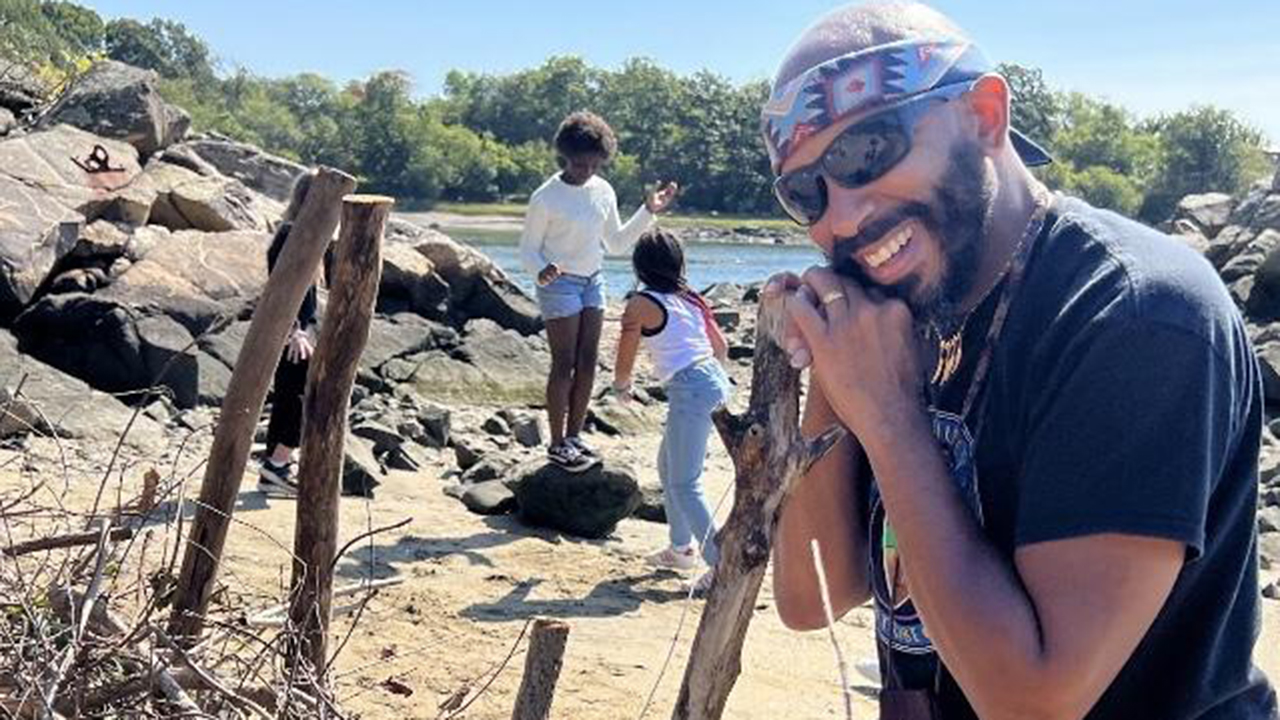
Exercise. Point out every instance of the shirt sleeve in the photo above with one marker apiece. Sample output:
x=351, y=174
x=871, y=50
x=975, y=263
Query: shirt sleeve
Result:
x=1128, y=434
x=533, y=237
x=618, y=238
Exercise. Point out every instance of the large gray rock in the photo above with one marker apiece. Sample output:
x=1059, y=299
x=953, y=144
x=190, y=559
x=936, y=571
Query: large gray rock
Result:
x=1209, y=212
x=140, y=331
x=188, y=200
x=262, y=172
x=588, y=504
x=490, y=366
x=45, y=196
x=478, y=288
x=7, y=121
x=361, y=472
x=120, y=101
x=1259, y=290
x=409, y=282
x=51, y=402
x=21, y=89
x=492, y=497
x=35, y=232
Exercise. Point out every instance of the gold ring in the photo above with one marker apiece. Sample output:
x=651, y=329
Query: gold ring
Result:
x=832, y=296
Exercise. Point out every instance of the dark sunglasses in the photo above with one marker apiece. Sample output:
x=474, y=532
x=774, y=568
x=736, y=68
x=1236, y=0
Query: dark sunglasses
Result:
x=859, y=155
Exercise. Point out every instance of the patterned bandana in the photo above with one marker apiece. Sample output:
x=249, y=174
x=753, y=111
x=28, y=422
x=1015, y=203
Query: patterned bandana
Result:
x=823, y=95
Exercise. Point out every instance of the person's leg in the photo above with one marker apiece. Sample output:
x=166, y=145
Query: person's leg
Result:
x=677, y=527
x=562, y=336
x=584, y=369
x=284, y=429
x=692, y=396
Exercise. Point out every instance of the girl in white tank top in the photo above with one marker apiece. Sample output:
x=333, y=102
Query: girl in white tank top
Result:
x=686, y=346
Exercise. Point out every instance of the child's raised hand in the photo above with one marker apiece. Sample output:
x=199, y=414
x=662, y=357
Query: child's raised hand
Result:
x=661, y=198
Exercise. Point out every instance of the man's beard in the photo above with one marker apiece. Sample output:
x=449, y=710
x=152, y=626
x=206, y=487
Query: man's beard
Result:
x=958, y=218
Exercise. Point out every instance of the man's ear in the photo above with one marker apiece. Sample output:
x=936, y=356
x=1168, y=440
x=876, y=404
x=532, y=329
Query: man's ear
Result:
x=989, y=102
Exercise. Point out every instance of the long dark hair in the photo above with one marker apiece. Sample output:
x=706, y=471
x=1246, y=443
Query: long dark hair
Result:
x=658, y=261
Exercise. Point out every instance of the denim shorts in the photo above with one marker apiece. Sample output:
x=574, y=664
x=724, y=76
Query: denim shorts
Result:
x=569, y=295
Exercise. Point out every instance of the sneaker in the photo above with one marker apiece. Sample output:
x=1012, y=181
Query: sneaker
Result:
x=569, y=458
x=577, y=444
x=277, y=480
x=673, y=558
x=703, y=584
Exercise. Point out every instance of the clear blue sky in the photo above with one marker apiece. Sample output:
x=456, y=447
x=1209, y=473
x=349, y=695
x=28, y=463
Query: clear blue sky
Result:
x=1148, y=55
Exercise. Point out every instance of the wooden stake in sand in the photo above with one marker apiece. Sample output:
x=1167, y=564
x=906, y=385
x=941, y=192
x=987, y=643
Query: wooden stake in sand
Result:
x=246, y=393
x=353, y=291
x=541, y=669
x=769, y=456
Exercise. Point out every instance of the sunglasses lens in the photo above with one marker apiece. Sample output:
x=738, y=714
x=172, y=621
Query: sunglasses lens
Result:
x=803, y=195
x=866, y=151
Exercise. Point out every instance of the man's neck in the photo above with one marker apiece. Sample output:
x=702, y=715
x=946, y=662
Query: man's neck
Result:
x=1014, y=203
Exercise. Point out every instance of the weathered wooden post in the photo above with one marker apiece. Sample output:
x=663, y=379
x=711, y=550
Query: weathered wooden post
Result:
x=246, y=393
x=769, y=455
x=353, y=290
x=541, y=670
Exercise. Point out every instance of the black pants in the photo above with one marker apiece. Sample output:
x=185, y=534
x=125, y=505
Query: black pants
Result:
x=285, y=426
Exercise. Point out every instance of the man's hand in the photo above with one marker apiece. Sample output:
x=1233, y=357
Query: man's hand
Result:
x=660, y=199
x=300, y=346
x=549, y=274
x=863, y=348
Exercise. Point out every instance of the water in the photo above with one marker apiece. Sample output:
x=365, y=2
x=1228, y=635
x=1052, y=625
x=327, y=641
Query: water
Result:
x=708, y=262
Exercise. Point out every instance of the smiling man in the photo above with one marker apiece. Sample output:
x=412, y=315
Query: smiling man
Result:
x=1055, y=413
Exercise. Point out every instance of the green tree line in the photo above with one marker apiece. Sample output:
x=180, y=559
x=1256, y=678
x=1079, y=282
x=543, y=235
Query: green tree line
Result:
x=487, y=137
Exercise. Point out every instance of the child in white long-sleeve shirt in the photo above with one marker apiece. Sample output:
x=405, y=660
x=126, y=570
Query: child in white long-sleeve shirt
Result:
x=571, y=221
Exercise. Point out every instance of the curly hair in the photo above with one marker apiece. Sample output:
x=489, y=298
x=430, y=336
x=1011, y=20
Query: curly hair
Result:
x=584, y=132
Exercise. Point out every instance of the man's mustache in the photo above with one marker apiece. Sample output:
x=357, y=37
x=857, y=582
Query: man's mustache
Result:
x=844, y=249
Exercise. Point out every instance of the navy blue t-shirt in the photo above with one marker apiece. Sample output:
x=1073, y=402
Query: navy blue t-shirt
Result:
x=1123, y=397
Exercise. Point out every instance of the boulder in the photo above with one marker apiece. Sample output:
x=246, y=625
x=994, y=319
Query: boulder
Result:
x=435, y=421
x=21, y=89
x=494, y=466
x=587, y=504
x=261, y=172
x=361, y=472
x=187, y=200
x=525, y=427
x=489, y=366
x=478, y=288
x=120, y=101
x=140, y=330
x=468, y=451
x=1260, y=297
x=7, y=121
x=489, y=498
x=53, y=402
x=651, y=507
x=1269, y=519
x=495, y=425
x=102, y=239
x=1208, y=212
x=409, y=283
x=402, y=335
x=36, y=231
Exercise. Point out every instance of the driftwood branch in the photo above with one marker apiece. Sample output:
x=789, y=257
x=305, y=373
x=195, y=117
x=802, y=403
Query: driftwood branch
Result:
x=541, y=669
x=65, y=541
x=352, y=294
x=769, y=456
x=246, y=393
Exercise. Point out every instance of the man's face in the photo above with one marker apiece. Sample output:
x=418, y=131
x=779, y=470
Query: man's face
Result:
x=579, y=168
x=916, y=232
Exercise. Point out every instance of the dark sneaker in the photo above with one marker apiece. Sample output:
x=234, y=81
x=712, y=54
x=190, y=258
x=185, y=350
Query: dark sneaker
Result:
x=582, y=447
x=277, y=480
x=569, y=458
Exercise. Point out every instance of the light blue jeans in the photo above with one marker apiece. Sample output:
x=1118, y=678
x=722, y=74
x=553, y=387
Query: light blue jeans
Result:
x=692, y=394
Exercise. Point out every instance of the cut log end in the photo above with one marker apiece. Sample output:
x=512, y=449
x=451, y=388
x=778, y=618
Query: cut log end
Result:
x=369, y=200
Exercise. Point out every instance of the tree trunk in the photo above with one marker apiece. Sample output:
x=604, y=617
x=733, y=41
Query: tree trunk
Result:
x=246, y=392
x=352, y=294
x=541, y=670
x=769, y=456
